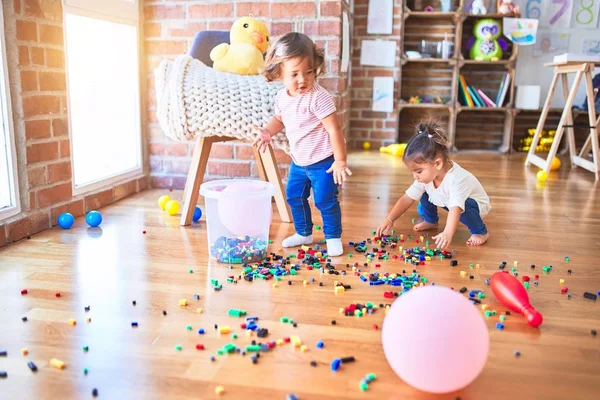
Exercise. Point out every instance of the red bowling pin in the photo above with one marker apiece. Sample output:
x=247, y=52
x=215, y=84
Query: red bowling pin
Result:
x=513, y=295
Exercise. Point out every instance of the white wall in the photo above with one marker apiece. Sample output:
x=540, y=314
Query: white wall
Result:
x=531, y=70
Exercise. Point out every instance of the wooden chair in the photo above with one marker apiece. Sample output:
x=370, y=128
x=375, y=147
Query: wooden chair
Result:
x=268, y=170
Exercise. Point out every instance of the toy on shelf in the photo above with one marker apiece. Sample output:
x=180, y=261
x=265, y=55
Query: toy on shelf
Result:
x=507, y=7
x=477, y=8
x=428, y=100
x=513, y=295
x=546, y=140
x=487, y=44
x=396, y=149
x=249, y=41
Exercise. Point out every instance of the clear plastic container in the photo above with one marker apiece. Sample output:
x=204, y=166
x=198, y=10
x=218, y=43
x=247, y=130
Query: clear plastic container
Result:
x=238, y=218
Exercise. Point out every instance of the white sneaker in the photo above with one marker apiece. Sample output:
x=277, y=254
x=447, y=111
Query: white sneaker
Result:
x=297, y=240
x=334, y=247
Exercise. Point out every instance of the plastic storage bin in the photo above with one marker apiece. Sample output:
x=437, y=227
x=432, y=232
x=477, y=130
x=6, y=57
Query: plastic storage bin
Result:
x=238, y=218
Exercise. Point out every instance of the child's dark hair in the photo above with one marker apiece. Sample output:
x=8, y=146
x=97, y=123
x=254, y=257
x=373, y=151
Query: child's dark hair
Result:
x=429, y=144
x=292, y=45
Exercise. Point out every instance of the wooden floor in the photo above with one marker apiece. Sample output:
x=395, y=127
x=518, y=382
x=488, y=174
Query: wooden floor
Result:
x=109, y=267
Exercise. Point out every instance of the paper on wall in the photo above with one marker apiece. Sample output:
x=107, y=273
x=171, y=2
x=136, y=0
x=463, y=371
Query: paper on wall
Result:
x=383, y=94
x=550, y=42
x=379, y=53
x=380, y=17
x=521, y=31
x=345, y=43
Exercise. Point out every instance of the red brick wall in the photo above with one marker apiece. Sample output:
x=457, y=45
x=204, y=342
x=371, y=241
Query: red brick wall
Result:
x=378, y=128
x=35, y=53
x=170, y=26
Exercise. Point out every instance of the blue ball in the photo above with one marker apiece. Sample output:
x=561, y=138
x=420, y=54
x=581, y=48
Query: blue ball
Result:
x=66, y=220
x=197, y=214
x=93, y=218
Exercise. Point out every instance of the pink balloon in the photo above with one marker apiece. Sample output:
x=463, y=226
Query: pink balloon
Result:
x=435, y=339
x=245, y=207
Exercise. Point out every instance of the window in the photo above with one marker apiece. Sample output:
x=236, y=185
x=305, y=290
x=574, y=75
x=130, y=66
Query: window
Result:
x=102, y=63
x=9, y=192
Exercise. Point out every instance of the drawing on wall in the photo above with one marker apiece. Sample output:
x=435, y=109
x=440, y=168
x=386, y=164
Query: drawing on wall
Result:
x=521, y=31
x=380, y=17
x=585, y=14
x=591, y=47
x=378, y=53
x=549, y=43
x=383, y=94
x=559, y=13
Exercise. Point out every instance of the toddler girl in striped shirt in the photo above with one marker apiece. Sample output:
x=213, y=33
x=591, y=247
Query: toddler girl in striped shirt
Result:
x=317, y=145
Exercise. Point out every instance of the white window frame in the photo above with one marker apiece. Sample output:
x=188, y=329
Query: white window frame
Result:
x=122, y=12
x=8, y=128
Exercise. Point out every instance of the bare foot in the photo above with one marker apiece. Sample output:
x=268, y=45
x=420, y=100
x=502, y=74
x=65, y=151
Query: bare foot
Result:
x=424, y=226
x=478, y=240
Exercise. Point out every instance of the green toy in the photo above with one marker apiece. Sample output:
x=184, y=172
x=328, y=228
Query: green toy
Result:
x=487, y=45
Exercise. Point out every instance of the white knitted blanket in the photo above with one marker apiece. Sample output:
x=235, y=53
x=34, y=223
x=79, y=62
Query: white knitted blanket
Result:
x=193, y=99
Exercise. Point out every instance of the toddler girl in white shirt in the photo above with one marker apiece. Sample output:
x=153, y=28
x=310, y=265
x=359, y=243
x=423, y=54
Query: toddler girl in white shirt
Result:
x=440, y=182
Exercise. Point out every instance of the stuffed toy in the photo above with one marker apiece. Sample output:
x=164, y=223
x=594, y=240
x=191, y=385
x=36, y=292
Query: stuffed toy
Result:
x=507, y=7
x=487, y=45
x=477, y=7
x=249, y=41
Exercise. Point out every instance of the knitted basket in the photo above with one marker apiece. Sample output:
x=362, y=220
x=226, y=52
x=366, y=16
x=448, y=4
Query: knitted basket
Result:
x=193, y=99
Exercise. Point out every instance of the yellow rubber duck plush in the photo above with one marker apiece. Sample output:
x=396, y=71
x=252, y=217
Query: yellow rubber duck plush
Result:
x=244, y=56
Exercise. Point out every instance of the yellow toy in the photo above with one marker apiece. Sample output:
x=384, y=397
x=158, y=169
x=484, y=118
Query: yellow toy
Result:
x=163, y=200
x=366, y=145
x=542, y=176
x=249, y=41
x=172, y=207
x=396, y=149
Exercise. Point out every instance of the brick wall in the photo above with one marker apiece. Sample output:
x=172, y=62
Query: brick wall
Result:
x=36, y=62
x=379, y=128
x=170, y=26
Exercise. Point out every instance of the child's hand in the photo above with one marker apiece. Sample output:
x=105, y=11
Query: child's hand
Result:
x=442, y=240
x=263, y=138
x=341, y=172
x=385, y=226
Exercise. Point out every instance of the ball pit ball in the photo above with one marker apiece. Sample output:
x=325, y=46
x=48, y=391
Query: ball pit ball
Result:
x=162, y=201
x=555, y=164
x=93, y=218
x=366, y=145
x=449, y=339
x=197, y=214
x=172, y=207
x=542, y=176
x=65, y=220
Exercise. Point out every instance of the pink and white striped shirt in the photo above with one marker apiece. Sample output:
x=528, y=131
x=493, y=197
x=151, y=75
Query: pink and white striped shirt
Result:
x=301, y=115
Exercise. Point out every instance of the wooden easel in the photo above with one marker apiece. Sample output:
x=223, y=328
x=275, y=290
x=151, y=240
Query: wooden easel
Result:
x=267, y=170
x=583, y=70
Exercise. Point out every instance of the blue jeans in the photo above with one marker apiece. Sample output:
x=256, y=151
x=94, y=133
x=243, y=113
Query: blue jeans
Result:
x=470, y=217
x=300, y=181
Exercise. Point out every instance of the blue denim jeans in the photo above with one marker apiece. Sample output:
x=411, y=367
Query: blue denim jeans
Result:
x=470, y=217
x=300, y=181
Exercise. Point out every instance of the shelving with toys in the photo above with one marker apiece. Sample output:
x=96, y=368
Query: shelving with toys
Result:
x=481, y=61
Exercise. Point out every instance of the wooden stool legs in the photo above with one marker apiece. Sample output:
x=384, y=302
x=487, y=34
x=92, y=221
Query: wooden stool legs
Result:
x=267, y=169
x=583, y=72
